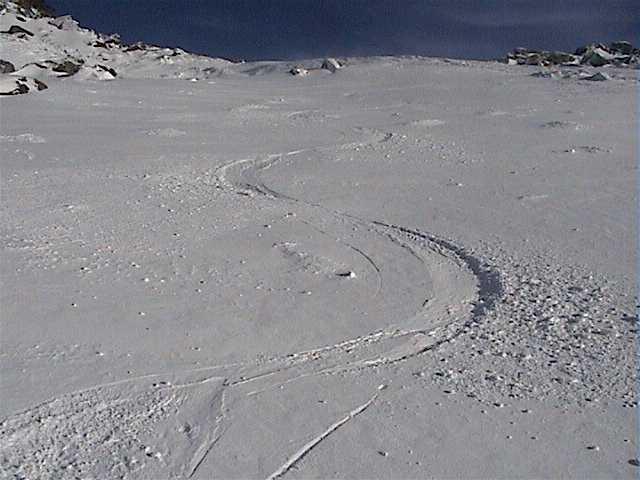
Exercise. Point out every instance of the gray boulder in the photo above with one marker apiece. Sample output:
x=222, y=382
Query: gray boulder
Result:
x=67, y=68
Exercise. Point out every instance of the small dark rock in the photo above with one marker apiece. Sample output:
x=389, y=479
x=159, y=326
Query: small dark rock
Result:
x=40, y=85
x=6, y=67
x=108, y=69
x=598, y=77
x=635, y=462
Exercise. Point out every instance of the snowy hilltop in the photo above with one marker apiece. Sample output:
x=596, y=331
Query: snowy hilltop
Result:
x=37, y=47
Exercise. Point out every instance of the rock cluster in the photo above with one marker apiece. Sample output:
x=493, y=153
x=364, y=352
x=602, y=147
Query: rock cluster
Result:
x=330, y=64
x=20, y=85
x=618, y=54
x=299, y=71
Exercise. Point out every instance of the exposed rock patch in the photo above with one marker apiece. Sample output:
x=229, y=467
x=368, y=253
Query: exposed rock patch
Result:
x=621, y=53
x=67, y=68
x=19, y=31
x=20, y=85
x=6, y=67
x=299, y=71
x=331, y=64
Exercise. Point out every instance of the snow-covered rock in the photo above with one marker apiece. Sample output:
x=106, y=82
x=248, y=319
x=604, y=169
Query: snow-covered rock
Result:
x=96, y=72
x=299, y=71
x=331, y=64
x=65, y=22
x=10, y=85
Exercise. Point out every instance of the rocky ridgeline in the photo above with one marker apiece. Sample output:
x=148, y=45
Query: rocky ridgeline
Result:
x=618, y=54
x=39, y=48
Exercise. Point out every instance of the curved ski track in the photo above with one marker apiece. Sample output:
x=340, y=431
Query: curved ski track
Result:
x=101, y=426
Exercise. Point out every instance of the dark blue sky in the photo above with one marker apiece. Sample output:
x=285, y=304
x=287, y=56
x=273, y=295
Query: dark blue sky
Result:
x=293, y=29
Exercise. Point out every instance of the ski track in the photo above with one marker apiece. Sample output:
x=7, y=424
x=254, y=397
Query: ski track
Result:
x=320, y=361
x=297, y=456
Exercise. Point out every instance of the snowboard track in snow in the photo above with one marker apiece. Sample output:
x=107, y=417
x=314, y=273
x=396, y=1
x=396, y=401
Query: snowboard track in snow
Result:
x=132, y=413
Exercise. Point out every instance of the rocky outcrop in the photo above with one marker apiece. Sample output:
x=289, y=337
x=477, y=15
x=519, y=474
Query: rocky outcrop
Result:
x=19, y=31
x=619, y=54
x=67, y=68
x=20, y=85
x=6, y=67
x=331, y=64
x=96, y=72
x=111, y=42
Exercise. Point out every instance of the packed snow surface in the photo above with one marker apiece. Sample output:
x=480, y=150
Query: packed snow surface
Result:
x=401, y=268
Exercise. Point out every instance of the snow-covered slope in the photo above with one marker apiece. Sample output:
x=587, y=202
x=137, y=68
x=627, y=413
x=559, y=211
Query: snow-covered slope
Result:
x=407, y=268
